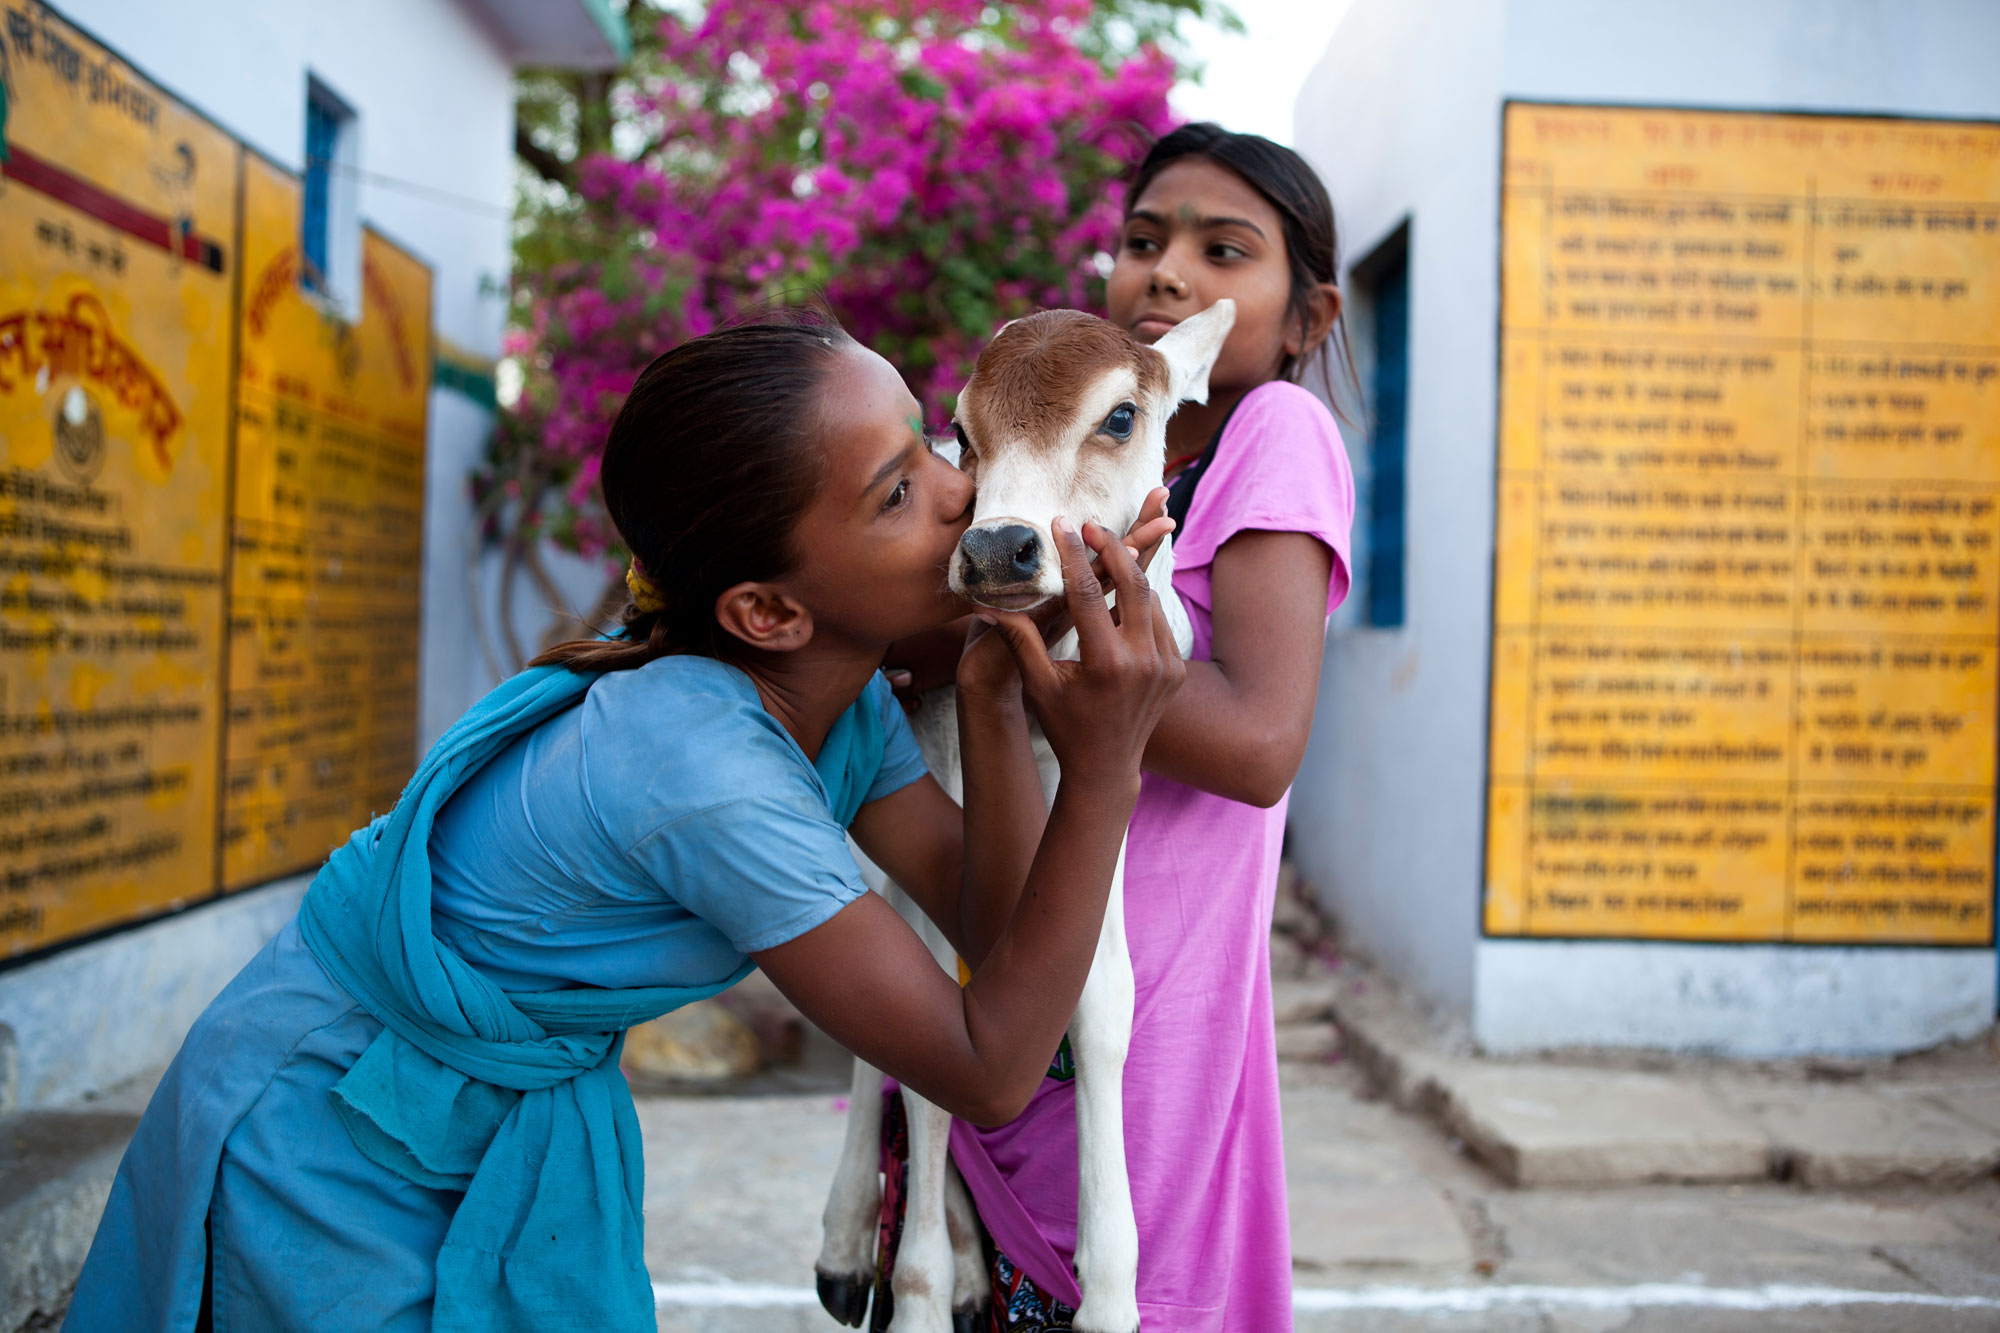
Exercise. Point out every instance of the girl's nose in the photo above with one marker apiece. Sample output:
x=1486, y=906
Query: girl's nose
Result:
x=1165, y=279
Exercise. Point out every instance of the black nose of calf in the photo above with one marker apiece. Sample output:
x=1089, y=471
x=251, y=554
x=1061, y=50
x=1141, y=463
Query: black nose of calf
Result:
x=1008, y=554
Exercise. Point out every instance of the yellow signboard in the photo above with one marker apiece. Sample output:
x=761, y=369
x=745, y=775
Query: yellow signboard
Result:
x=156, y=561
x=1746, y=596
x=117, y=268
x=327, y=545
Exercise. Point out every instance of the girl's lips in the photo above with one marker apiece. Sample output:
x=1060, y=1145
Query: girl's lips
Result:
x=1152, y=327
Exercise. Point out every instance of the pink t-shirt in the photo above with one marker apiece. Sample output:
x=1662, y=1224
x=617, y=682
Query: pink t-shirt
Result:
x=1203, y=1139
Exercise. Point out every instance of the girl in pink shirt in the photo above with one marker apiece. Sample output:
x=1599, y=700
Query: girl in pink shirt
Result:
x=1261, y=560
x=1259, y=483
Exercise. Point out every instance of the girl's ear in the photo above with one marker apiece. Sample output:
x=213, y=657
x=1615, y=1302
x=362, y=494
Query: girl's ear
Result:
x=765, y=617
x=1315, y=323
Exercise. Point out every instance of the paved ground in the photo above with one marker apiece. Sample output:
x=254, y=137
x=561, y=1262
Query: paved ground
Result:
x=1393, y=1230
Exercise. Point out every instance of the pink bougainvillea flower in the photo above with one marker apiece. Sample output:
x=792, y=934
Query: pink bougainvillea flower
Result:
x=929, y=173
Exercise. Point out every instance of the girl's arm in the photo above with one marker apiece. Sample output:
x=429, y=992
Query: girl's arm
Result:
x=963, y=867
x=1238, y=727
x=867, y=980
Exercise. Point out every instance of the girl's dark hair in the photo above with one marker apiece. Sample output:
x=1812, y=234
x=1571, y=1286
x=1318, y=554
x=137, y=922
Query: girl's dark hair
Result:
x=1289, y=184
x=707, y=471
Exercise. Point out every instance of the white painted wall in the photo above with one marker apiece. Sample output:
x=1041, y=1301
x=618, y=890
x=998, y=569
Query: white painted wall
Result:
x=1402, y=119
x=1909, y=57
x=90, y=1018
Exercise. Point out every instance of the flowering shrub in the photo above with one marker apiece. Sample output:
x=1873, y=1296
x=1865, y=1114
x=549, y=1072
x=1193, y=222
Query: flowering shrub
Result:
x=931, y=170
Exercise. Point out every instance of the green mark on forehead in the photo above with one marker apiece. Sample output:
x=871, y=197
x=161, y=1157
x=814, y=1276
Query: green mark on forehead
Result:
x=1187, y=215
x=916, y=426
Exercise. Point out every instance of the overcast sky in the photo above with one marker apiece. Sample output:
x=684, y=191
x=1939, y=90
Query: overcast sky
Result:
x=1253, y=78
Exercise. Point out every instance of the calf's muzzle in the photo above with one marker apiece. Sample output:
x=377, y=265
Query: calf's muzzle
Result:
x=999, y=558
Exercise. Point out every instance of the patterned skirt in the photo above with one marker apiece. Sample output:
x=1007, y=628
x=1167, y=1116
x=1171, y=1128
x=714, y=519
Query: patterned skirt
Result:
x=1018, y=1306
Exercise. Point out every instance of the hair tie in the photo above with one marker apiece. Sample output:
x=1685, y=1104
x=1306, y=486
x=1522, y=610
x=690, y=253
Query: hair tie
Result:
x=645, y=595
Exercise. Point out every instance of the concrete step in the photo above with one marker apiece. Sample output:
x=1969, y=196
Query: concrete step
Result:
x=55, y=1173
x=1539, y=1125
x=1575, y=1122
x=1858, y=1137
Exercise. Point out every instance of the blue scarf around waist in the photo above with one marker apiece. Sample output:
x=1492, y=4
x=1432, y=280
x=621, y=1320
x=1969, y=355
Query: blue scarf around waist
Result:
x=514, y=1098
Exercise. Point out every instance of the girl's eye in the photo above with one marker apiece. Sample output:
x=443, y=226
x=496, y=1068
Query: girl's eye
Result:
x=1223, y=250
x=1140, y=244
x=1119, y=424
x=898, y=496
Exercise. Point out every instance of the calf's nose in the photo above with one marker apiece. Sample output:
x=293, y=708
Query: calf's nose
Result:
x=1004, y=554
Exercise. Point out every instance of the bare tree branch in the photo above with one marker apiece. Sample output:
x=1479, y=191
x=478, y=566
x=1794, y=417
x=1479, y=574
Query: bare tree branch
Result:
x=543, y=162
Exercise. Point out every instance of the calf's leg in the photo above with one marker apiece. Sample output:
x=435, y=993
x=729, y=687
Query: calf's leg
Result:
x=972, y=1281
x=845, y=1269
x=924, y=1277
x=1100, y=1033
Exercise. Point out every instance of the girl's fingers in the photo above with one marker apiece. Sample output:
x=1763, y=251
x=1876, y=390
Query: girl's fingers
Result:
x=1150, y=527
x=1144, y=540
x=1080, y=587
x=1135, y=595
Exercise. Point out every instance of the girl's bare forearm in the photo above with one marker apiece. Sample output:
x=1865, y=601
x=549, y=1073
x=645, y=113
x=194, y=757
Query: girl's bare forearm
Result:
x=1217, y=739
x=1238, y=726
x=1021, y=996
x=1005, y=813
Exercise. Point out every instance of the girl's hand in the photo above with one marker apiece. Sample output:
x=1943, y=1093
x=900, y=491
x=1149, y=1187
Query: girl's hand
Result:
x=987, y=669
x=1098, y=712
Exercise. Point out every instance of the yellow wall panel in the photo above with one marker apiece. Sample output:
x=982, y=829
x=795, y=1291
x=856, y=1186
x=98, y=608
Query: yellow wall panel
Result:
x=117, y=268
x=328, y=545
x=1747, y=604
x=211, y=495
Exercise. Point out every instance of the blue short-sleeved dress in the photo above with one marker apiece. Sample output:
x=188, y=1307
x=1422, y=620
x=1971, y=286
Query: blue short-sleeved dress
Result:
x=653, y=834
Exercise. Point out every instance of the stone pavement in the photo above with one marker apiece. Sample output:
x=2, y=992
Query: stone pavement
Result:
x=1432, y=1189
x=1395, y=1227
x=1622, y=1118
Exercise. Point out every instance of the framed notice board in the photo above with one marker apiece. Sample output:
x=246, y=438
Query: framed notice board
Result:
x=210, y=507
x=1746, y=600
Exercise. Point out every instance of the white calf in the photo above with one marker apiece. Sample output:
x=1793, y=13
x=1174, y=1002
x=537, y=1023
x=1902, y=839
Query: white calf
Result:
x=1064, y=414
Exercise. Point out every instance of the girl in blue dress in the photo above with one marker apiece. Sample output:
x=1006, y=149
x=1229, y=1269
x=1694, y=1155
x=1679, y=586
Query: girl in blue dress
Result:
x=406, y=1112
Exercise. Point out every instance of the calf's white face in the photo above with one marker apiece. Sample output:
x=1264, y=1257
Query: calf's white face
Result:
x=1067, y=414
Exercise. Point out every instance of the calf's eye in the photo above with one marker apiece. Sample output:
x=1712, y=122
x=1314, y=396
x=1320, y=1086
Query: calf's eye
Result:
x=1119, y=424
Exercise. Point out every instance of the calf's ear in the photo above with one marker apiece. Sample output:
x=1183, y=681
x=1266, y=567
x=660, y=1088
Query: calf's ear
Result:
x=1191, y=347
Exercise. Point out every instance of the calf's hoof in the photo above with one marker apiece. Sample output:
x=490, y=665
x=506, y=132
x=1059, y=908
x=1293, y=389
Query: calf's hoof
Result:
x=967, y=1321
x=845, y=1295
